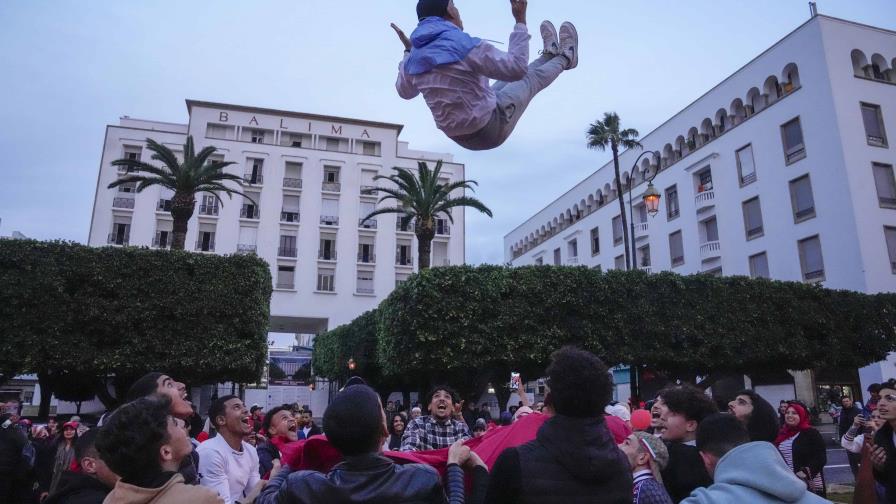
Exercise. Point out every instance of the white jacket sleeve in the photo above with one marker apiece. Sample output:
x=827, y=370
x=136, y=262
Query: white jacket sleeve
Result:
x=403, y=85
x=509, y=66
x=853, y=445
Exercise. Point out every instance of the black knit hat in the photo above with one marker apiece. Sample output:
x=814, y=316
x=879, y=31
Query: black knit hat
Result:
x=146, y=385
x=430, y=8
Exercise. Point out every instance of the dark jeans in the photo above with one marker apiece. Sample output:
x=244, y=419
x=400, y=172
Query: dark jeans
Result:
x=854, y=459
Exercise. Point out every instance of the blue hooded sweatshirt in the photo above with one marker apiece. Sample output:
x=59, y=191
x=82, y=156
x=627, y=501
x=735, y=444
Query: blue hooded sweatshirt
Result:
x=754, y=473
x=437, y=42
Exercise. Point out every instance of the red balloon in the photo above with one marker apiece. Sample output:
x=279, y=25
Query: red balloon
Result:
x=641, y=419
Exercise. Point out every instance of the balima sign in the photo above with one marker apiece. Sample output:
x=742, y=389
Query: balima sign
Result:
x=287, y=124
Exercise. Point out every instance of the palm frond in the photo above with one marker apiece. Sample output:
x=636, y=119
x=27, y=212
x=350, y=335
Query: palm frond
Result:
x=463, y=201
x=165, y=155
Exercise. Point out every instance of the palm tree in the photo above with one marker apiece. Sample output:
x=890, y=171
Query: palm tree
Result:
x=423, y=198
x=196, y=174
x=602, y=134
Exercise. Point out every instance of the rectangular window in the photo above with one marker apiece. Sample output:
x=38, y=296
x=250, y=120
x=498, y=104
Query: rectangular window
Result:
x=326, y=280
x=364, y=282
x=672, y=209
x=890, y=235
x=287, y=246
x=556, y=257
x=801, y=199
x=746, y=166
x=595, y=241
x=676, y=249
x=619, y=262
x=753, y=218
x=811, y=261
x=370, y=148
x=874, y=125
x=759, y=266
x=792, y=138
x=285, y=277
x=539, y=261
x=257, y=136
x=327, y=248
x=705, y=181
x=332, y=144
x=644, y=256
x=711, y=228
x=886, y=185
x=617, y=230
x=220, y=131
x=573, y=249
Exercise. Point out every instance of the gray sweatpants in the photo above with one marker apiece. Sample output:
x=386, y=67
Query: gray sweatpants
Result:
x=513, y=98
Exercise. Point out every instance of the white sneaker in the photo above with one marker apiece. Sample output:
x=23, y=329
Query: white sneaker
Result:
x=569, y=44
x=551, y=42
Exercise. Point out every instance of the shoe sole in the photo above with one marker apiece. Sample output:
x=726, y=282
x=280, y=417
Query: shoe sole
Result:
x=554, y=35
x=575, y=35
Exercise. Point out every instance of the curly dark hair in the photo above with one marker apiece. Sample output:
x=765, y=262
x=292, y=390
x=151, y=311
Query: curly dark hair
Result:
x=130, y=439
x=580, y=383
x=404, y=420
x=689, y=401
x=266, y=423
x=763, y=423
x=444, y=388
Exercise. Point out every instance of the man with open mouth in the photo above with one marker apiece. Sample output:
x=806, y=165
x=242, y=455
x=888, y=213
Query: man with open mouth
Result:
x=229, y=465
x=439, y=429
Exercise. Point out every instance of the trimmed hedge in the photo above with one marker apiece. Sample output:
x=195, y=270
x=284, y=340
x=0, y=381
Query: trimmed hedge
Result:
x=126, y=311
x=466, y=319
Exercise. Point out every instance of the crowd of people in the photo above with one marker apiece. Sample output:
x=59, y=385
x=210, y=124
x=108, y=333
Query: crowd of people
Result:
x=576, y=446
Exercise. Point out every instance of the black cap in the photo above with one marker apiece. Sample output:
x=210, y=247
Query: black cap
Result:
x=354, y=380
x=430, y=8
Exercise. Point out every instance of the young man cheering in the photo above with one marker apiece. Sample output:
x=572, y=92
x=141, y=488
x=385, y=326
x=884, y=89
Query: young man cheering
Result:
x=229, y=465
x=439, y=429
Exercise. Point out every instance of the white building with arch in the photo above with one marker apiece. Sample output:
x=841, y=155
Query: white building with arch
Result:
x=782, y=170
x=305, y=174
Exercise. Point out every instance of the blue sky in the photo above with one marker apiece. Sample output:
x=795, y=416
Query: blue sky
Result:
x=68, y=68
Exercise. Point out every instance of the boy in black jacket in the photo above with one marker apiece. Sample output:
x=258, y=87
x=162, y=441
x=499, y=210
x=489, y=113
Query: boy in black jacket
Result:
x=883, y=454
x=92, y=484
x=682, y=408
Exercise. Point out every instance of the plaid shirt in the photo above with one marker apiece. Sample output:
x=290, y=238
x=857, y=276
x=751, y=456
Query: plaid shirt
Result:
x=427, y=433
x=647, y=490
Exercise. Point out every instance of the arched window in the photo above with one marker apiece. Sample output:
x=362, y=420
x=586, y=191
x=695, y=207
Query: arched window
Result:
x=859, y=63
x=791, y=78
x=879, y=67
x=772, y=89
x=755, y=101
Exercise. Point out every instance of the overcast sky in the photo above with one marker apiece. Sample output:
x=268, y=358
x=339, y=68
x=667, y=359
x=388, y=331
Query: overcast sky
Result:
x=68, y=68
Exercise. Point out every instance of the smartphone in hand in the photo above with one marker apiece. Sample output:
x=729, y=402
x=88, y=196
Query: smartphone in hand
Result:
x=515, y=381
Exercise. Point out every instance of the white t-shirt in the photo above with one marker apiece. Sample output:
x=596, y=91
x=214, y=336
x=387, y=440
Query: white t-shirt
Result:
x=230, y=473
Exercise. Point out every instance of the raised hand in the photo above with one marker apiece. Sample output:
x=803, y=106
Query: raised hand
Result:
x=518, y=8
x=402, y=37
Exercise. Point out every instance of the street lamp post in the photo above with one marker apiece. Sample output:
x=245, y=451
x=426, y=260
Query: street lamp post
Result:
x=651, y=199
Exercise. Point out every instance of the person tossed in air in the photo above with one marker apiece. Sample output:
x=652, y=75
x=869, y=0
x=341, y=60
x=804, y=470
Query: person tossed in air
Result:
x=452, y=71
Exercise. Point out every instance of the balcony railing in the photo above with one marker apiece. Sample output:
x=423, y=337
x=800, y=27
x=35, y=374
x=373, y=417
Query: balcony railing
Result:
x=164, y=205
x=366, y=258
x=208, y=210
x=158, y=242
x=673, y=213
x=641, y=229
x=205, y=246
x=795, y=153
x=677, y=261
x=365, y=290
x=646, y=269
x=407, y=228
x=805, y=213
x=331, y=187
x=877, y=141
x=250, y=212
x=442, y=228
x=367, y=223
x=123, y=203
x=292, y=183
x=711, y=249
x=813, y=275
x=329, y=220
x=256, y=179
x=754, y=232
x=286, y=285
x=119, y=239
x=287, y=252
x=368, y=190
x=888, y=202
x=748, y=178
x=705, y=199
x=242, y=248
x=326, y=255
x=572, y=260
x=404, y=261
x=290, y=217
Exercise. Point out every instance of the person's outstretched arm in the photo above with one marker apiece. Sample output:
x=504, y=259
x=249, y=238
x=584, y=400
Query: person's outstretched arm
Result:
x=403, y=85
x=509, y=66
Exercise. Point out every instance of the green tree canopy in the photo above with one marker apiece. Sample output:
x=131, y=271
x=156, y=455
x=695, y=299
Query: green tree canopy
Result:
x=122, y=312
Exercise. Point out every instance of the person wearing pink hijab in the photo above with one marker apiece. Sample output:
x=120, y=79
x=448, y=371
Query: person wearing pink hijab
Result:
x=803, y=447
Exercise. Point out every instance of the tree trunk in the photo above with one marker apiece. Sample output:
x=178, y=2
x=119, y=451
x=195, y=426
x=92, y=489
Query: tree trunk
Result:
x=182, y=207
x=406, y=399
x=78, y=406
x=425, y=231
x=46, y=394
x=621, y=198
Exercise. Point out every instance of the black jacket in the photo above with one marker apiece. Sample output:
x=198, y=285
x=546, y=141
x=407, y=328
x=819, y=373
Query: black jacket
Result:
x=571, y=460
x=847, y=416
x=76, y=488
x=887, y=477
x=370, y=478
x=267, y=452
x=810, y=452
x=315, y=431
x=12, y=441
x=685, y=471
